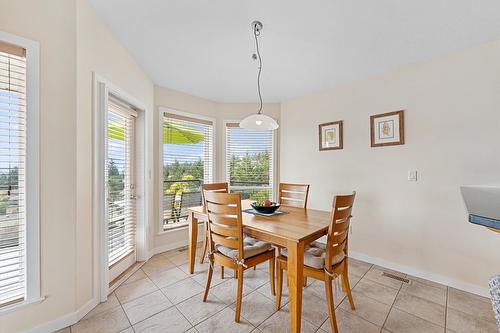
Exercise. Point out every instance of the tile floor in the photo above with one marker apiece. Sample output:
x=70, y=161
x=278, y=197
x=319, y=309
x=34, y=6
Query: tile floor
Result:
x=163, y=297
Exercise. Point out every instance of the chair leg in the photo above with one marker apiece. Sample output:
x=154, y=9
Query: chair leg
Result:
x=331, y=304
x=347, y=286
x=305, y=281
x=205, y=246
x=254, y=268
x=222, y=272
x=209, y=280
x=235, y=275
x=239, y=295
x=271, y=275
x=279, y=272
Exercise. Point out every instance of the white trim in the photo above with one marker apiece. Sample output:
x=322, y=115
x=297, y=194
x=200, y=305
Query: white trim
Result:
x=102, y=89
x=178, y=244
x=20, y=305
x=66, y=320
x=32, y=173
x=126, y=276
x=445, y=280
x=162, y=110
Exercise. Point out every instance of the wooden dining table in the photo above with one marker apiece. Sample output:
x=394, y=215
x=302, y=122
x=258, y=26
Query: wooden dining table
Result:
x=294, y=230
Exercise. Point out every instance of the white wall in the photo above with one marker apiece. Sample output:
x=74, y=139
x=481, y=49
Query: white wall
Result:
x=52, y=24
x=452, y=117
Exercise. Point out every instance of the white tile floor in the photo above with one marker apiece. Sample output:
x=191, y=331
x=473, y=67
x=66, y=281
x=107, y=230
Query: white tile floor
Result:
x=163, y=297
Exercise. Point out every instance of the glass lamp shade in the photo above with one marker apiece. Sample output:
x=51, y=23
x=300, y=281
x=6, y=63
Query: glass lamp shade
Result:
x=259, y=122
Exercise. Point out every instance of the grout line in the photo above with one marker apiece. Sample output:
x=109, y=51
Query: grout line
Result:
x=126, y=316
x=345, y=296
x=392, y=306
x=446, y=310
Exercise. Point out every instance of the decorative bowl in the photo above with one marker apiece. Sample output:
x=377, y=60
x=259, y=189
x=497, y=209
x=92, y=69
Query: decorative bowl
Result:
x=266, y=209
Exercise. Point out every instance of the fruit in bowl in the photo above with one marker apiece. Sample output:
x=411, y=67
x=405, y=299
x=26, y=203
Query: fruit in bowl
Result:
x=265, y=206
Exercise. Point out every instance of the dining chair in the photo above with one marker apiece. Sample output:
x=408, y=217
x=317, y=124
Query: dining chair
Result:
x=212, y=187
x=294, y=195
x=229, y=247
x=328, y=261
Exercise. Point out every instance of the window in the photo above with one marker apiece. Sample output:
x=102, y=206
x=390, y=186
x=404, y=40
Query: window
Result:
x=19, y=262
x=188, y=162
x=250, y=162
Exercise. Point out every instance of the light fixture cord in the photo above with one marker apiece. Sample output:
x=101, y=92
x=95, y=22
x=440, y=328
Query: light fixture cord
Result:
x=257, y=33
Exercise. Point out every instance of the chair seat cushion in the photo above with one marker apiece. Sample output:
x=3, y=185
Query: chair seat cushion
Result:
x=314, y=255
x=251, y=247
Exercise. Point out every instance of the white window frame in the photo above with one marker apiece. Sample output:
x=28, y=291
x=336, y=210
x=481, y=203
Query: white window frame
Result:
x=103, y=88
x=275, y=157
x=32, y=183
x=162, y=110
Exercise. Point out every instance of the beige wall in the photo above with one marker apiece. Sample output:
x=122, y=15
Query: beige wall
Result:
x=52, y=24
x=98, y=52
x=168, y=98
x=452, y=116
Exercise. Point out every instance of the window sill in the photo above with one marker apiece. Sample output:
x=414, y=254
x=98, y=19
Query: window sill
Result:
x=20, y=305
x=177, y=228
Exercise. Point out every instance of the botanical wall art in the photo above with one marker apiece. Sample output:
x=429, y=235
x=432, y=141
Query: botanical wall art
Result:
x=331, y=136
x=387, y=129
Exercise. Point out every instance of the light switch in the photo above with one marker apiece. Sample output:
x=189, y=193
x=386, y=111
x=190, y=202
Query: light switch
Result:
x=412, y=175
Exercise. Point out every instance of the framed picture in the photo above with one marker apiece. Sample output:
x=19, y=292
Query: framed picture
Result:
x=387, y=129
x=331, y=136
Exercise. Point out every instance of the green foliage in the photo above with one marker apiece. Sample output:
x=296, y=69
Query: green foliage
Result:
x=259, y=196
x=177, y=170
x=249, y=169
x=116, y=181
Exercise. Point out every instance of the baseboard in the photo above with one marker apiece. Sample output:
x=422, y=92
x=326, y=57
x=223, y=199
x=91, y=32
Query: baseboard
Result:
x=454, y=283
x=66, y=320
x=170, y=246
x=175, y=245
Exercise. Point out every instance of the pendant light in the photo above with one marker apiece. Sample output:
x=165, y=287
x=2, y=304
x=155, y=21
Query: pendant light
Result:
x=258, y=121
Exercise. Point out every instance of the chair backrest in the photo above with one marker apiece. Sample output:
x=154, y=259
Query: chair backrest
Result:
x=338, y=230
x=294, y=195
x=225, y=224
x=214, y=187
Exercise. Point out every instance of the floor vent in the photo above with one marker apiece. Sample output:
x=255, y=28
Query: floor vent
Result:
x=395, y=277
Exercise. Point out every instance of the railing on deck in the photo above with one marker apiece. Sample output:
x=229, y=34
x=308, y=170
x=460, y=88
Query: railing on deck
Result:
x=179, y=195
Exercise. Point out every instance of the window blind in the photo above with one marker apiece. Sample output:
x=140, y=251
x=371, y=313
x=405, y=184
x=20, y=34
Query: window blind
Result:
x=120, y=180
x=187, y=163
x=12, y=174
x=250, y=162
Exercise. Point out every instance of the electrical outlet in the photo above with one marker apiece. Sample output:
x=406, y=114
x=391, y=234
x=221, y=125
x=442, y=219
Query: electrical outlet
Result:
x=412, y=175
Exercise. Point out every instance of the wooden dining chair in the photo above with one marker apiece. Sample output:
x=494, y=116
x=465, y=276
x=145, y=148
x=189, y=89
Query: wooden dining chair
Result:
x=294, y=195
x=328, y=261
x=212, y=187
x=229, y=247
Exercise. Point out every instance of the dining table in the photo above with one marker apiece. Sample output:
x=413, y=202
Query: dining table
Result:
x=293, y=230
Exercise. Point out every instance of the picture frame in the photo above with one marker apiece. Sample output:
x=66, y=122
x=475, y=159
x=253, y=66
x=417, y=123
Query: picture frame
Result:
x=387, y=129
x=331, y=136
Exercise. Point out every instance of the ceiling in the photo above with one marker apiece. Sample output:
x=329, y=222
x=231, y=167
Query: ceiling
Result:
x=204, y=47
